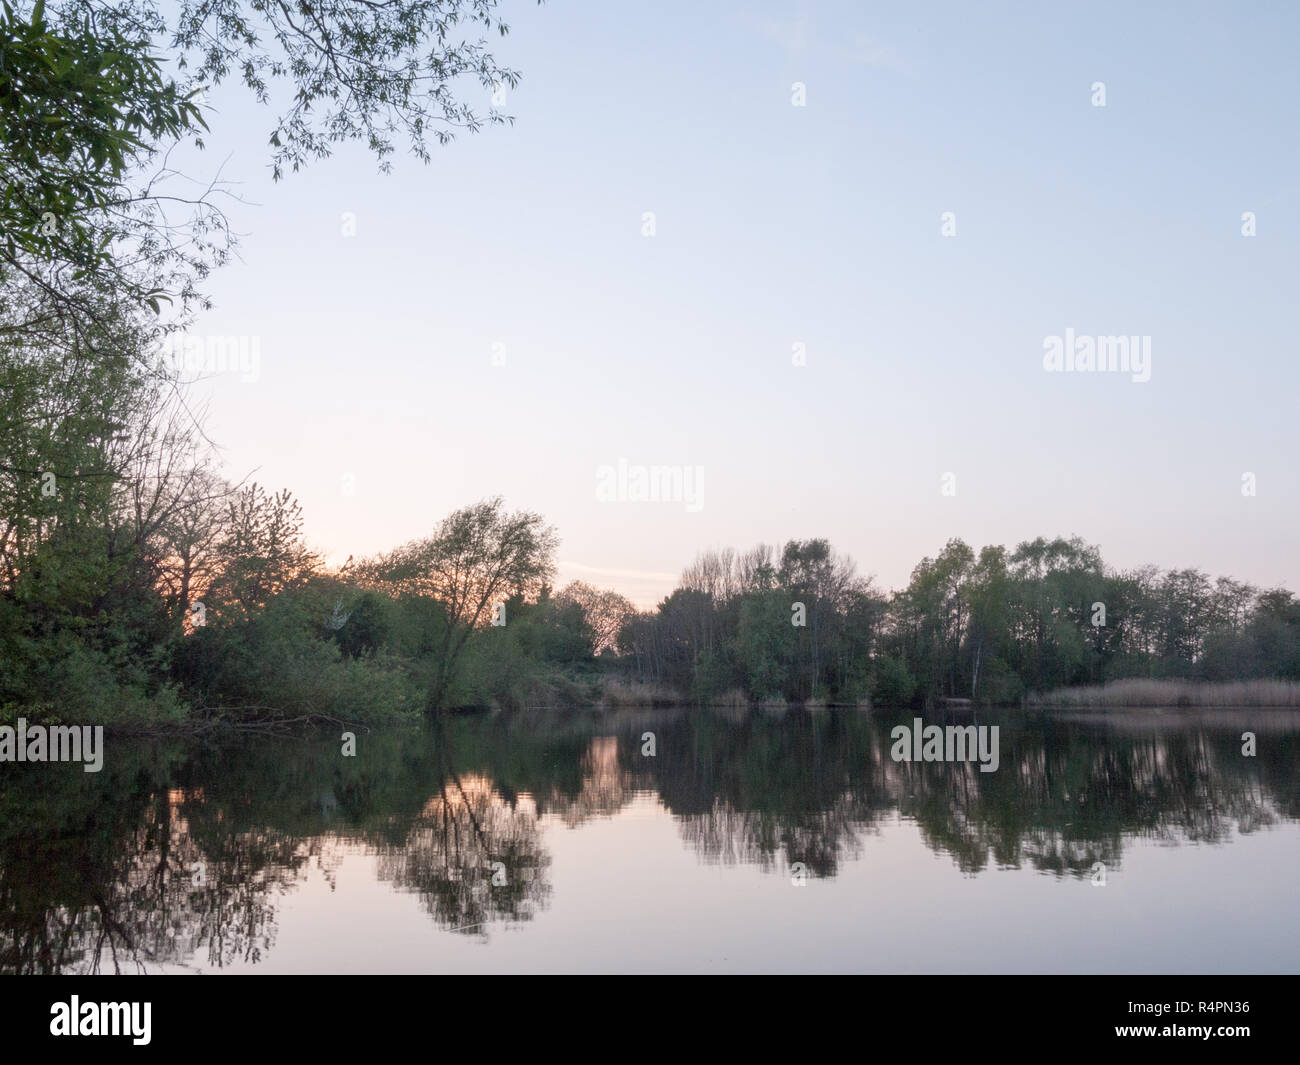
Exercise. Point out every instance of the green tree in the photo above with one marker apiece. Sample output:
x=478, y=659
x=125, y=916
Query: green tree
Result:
x=261, y=554
x=90, y=210
x=766, y=643
x=477, y=559
x=83, y=103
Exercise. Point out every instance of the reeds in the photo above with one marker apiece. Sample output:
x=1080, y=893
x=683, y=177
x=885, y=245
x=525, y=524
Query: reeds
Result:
x=1173, y=694
x=617, y=692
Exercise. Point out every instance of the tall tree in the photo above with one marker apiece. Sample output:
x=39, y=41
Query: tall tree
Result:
x=479, y=557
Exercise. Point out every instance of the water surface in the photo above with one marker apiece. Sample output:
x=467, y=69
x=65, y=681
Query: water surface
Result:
x=748, y=841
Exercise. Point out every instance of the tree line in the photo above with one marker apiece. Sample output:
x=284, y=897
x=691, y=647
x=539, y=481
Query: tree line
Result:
x=796, y=623
x=137, y=585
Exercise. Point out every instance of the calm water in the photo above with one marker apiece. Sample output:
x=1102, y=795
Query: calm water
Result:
x=548, y=841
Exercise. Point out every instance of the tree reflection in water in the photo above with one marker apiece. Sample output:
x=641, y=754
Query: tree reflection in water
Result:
x=472, y=857
x=178, y=855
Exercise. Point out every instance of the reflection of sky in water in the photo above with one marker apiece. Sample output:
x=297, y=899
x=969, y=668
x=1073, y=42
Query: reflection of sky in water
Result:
x=608, y=860
x=629, y=897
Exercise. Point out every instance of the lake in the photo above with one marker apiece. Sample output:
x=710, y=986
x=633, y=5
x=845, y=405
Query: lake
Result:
x=642, y=840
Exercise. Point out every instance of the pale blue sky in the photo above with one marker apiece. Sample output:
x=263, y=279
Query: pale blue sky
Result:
x=778, y=224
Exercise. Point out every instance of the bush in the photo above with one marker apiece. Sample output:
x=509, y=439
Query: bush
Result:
x=285, y=663
x=892, y=683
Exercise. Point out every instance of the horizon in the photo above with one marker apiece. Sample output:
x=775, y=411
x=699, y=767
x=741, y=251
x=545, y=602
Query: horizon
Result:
x=567, y=571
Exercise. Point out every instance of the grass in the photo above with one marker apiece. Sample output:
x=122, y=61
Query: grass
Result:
x=1173, y=694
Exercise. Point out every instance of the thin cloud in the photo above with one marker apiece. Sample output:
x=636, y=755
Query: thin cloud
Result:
x=627, y=574
x=645, y=588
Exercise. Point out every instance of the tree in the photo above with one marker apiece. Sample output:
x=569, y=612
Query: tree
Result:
x=1054, y=584
x=261, y=554
x=766, y=643
x=365, y=71
x=811, y=573
x=932, y=617
x=87, y=468
x=89, y=208
x=479, y=556
x=190, y=539
x=83, y=102
x=604, y=610
x=988, y=626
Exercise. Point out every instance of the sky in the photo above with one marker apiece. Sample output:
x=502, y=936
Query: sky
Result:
x=499, y=323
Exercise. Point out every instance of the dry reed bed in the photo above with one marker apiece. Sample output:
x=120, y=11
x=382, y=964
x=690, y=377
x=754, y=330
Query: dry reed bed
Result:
x=1162, y=694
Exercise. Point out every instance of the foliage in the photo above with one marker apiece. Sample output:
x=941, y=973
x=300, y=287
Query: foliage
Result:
x=478, y=558
x=92, y=213
x=991, y=627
